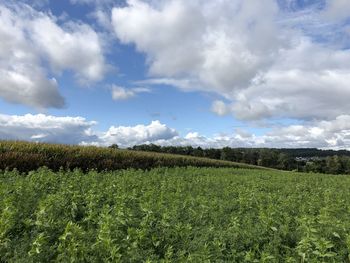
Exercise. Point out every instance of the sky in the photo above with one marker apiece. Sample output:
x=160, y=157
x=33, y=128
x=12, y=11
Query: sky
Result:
x=237, y=73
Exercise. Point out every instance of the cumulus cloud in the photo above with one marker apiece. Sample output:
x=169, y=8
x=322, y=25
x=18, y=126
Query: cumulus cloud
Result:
x=73, y=46
x=22, y=78
x=182, y=37
x=31, y=40
x=102, y=18
x=46, y=128
x=127, y=136
x=29, y=85
x=78, y=130
x=324, y=134
x=262, y=64
x=121, y=93
x=333, y=134
x=312, y=89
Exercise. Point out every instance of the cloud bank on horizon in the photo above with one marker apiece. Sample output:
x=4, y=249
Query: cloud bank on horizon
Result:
x=259, y=61
x=77, y=130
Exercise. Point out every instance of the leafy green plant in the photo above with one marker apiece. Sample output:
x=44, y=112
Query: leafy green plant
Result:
x=174, y=215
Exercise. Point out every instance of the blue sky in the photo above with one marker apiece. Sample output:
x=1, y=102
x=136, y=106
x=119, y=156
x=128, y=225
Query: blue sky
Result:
x=173, y=72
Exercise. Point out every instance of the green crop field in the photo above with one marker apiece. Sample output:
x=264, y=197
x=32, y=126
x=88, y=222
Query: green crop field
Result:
x=174, y=215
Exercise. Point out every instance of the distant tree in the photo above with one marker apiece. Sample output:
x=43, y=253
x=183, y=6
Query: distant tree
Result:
x=333, y=165
x=285, y=162
x=114, y=146
x=198, y=152
x=188, y=150
x=311, y=166
x=250, y=156
x=227, y=154
x=267, y=158
x=212, y=153
x=308, y=160
x=346, y=164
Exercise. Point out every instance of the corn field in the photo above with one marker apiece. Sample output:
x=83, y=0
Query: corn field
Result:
x=26, y=157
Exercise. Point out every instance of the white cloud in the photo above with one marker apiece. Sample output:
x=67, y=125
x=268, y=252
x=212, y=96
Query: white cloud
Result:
x=121, y=93
x=183, y=84
x=22, y=78
x=324, y=134
x=77, y=130
x=139, y=134
x=316, y=88
x=333, y=134
x=337, y=9
x=262, y=64
x=71, y=130
x=29, y=85
x=73, y=46
x=31, y=40
x=103, y=18
x=220, y=108
x=223, y=44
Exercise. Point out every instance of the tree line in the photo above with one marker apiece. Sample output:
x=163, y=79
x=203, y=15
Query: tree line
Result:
x=301, y=160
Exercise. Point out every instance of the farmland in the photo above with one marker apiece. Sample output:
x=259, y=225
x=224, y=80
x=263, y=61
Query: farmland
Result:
x=175, y=214
x=26, y=157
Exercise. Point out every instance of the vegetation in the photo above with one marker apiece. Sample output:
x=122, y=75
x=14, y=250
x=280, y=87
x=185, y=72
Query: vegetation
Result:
x=26, y=157
x=302, y=160
x=86, y=208
x=174, y=215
